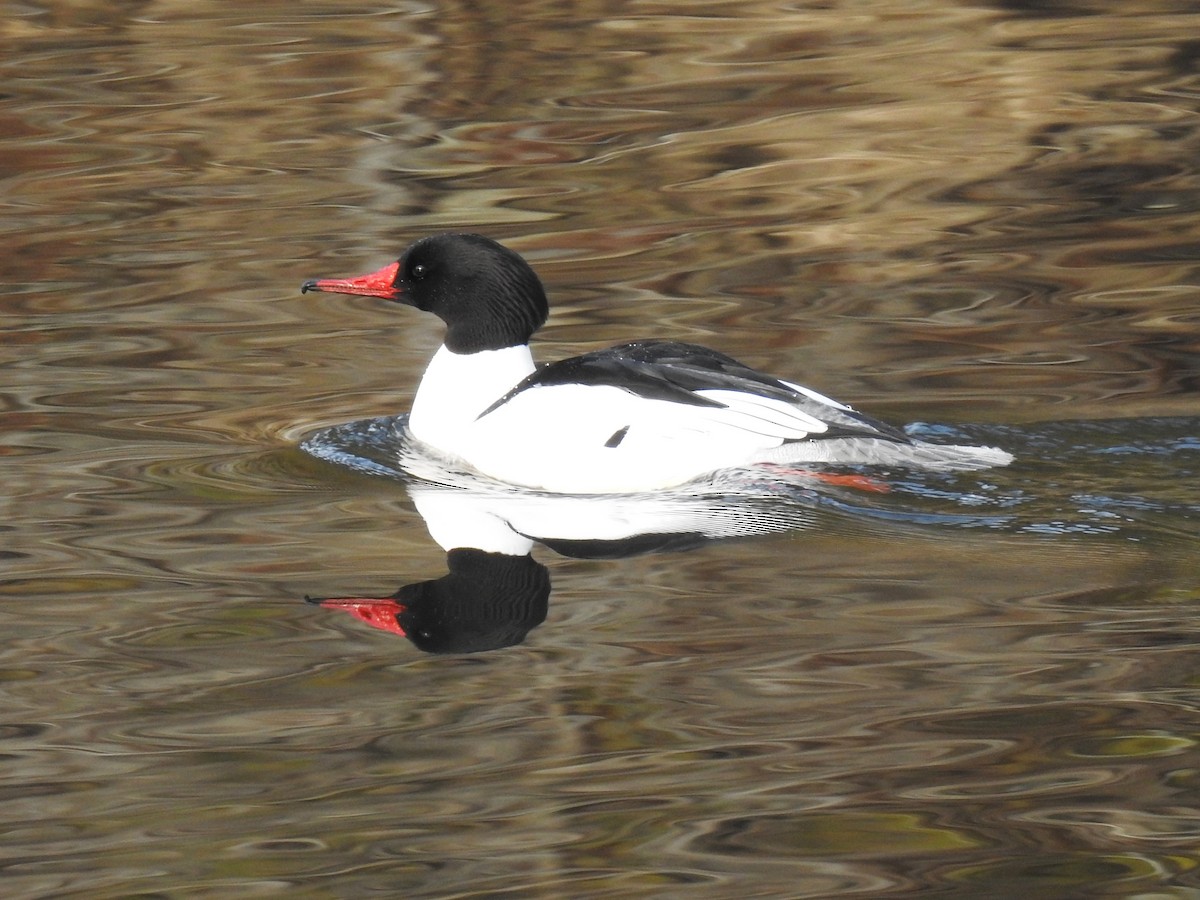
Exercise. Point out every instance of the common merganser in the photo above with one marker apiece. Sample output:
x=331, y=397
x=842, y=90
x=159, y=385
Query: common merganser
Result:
x=641, y=416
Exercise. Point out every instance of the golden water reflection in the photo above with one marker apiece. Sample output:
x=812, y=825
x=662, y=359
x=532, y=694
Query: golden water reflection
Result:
x=982, y=215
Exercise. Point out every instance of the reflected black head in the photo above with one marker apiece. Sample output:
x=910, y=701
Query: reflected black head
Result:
x=485, y=602
x=487, y=295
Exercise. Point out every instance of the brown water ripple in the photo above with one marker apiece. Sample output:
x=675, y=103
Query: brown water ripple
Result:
x=945, y=232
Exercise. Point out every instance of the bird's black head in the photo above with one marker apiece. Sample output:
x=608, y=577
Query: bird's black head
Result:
x=487, y=295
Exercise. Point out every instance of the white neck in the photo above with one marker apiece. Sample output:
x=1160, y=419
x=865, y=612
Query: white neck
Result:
x=457, y=387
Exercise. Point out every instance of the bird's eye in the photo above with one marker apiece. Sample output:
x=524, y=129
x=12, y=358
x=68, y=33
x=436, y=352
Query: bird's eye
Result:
x=419, y=270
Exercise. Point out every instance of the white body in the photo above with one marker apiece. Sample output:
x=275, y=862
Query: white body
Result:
x=578, y=438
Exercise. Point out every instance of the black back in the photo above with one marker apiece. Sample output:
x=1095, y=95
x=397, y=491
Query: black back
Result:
x=675, y=371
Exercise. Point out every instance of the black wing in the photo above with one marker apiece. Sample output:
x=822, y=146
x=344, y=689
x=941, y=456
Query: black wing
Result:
x=675, y=371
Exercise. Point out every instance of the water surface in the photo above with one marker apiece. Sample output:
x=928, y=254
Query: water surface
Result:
x=979, y=218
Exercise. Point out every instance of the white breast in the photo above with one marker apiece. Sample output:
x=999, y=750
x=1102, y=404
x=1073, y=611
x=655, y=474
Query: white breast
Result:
x=457, y=387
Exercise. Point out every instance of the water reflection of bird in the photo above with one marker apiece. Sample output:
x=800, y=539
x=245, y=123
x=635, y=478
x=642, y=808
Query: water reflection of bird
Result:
x=494, y=592
x=639, y=416
x=485, y=601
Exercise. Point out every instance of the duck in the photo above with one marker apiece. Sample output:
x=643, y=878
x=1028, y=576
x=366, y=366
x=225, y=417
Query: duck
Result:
x=641, y=416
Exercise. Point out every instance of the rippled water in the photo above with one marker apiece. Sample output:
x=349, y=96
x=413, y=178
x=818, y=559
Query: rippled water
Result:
x=982, y=219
